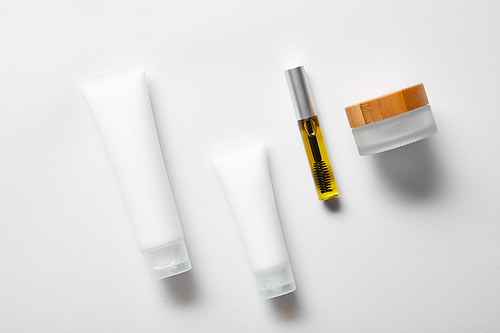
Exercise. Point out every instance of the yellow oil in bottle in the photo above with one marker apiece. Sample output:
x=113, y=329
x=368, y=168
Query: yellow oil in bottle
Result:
x=317, y=156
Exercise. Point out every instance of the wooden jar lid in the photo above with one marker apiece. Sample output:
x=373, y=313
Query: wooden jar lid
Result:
x=387, y=106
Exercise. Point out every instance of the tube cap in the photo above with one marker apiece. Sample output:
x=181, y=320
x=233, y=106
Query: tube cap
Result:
x=301, y=93
x=167, y=260
x=275, y=282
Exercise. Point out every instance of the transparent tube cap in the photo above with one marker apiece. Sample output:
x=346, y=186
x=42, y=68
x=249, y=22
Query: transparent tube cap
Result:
x=167, y=260
x=275, y=282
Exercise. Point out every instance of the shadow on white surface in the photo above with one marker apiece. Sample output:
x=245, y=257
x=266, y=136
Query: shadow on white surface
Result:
x=334, y=205
x=413, y=171
x=286, y=307
x=180, y=289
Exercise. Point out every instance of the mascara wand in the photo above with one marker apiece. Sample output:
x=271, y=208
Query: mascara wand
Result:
x=320, y=168
x=312, y=137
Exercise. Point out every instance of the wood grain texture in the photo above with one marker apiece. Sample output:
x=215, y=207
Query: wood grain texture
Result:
x=387, y=106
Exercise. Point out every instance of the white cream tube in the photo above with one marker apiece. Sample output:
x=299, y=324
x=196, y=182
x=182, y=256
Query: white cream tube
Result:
x=244, y=175
x=120, y=104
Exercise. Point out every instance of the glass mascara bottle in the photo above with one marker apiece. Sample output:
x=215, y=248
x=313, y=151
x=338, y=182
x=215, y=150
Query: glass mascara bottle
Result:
x=312, y=137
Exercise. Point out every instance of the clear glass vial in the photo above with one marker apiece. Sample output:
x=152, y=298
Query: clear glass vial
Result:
x=392, y=120
x=311, y=133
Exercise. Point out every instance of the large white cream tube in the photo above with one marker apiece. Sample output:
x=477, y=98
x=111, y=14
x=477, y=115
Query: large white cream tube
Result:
x=244, y=175
x=120, y=104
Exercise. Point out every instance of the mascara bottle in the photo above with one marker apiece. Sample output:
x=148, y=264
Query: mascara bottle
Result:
x=312, y=137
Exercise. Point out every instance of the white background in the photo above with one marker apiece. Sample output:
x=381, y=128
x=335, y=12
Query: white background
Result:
x=412, y=245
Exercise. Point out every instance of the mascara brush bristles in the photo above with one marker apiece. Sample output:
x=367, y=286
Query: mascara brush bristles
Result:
x=322, y=177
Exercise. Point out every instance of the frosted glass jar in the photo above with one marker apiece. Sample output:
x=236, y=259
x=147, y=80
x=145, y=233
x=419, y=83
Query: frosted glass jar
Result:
x=392, y=120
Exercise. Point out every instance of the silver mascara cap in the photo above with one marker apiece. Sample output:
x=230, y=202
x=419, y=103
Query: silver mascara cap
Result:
x=301, y=93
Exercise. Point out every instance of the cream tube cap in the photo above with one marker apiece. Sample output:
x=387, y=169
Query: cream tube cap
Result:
x=275, y=282
x=167, y=260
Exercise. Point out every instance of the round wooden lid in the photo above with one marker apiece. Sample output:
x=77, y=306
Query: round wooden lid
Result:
x=387, y=106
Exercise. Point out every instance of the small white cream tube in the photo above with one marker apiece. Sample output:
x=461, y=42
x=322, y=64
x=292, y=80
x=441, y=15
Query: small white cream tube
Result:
x=119, y=102
x=244, y=175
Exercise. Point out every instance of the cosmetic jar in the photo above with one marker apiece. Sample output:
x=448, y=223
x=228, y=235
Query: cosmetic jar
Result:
x=392, y=120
